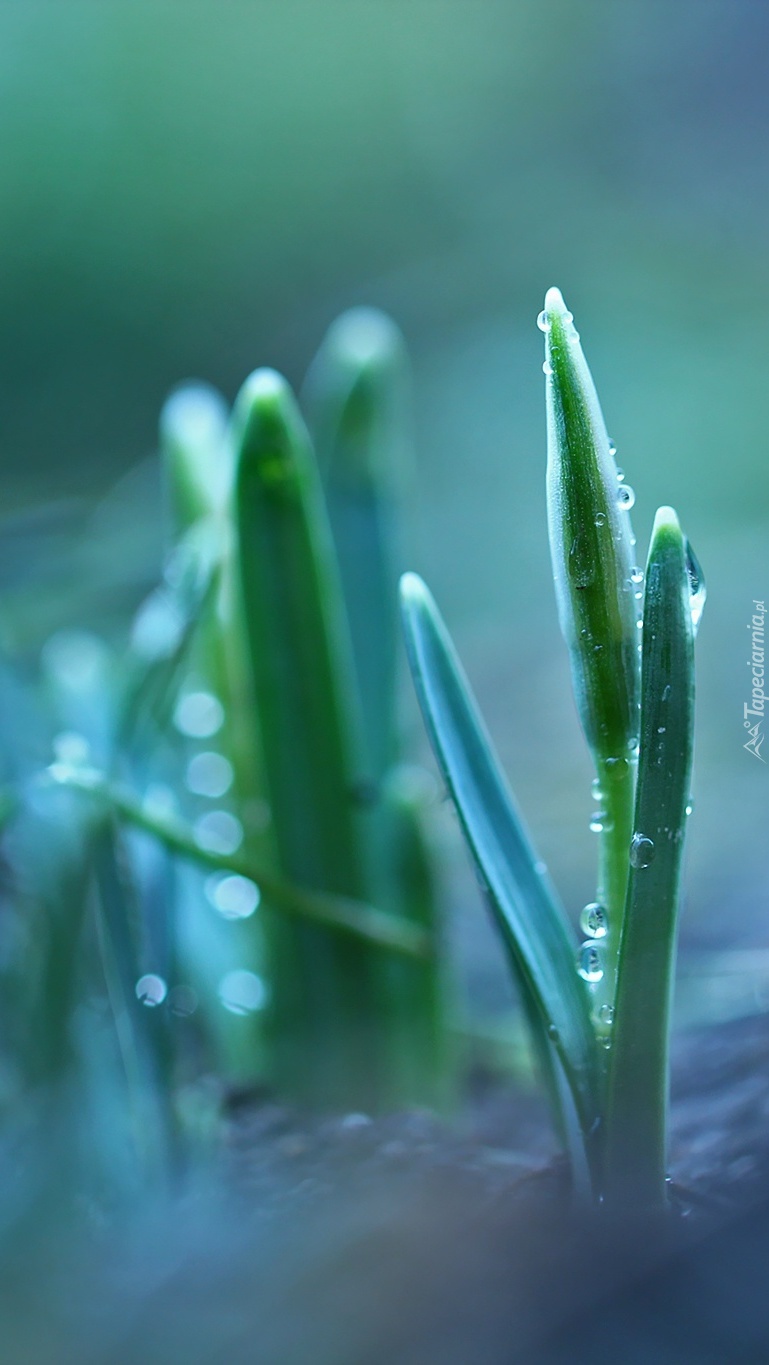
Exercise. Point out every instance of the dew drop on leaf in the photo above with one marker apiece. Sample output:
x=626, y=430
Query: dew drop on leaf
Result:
x=590, y=962
x=151, y=990
x=697, y=587
x=593, y=921
x=642, y=850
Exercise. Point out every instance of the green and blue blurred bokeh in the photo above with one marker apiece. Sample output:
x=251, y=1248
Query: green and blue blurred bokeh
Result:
x=196, y=189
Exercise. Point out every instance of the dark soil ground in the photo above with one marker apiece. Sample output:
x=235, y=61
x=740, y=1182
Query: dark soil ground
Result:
x=409, y=1241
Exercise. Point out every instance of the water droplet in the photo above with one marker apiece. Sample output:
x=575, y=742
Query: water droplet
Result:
x=158, y=626
x=625, y=497
x=235, y=897
x=553, y=1034
x=697, y=587
x=642, y=850
x=218, y=832
x=597, y=821
x=612, y=447
x=660, y=729
x=199, y=715
x=666, y=692
x=352, y=1123
x=151, y=990
x=616, y=766
x=596, y=790
x=638, y=596
x=605, y=1042
x=632, y=744
x=600, y=518
x=540, y=868
x=620, y=472
x=543, y=321
x=209, y=774
x=574, y=336
x=590, y=961
x=71, y=748
x=159, y=801
x=547, y=368
x=183, y=1001
x=597, y=649
x=76, y=658
x=689, y=806
x=636, y=574
x=606, y=1014
x=242, y=992
x=639, y=623
x=594, y=921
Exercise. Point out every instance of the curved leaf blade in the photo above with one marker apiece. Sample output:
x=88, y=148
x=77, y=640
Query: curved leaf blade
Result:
x=524, y=904
x=636, y=1111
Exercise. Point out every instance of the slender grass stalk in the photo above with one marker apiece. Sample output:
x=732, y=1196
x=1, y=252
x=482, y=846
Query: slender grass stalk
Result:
x=143, y=1033
x=325, y=1042
x=199, y=466
x=524, y=903
x=636, y=1105
x=595, y=579
x=339, y=914
x=355, y=396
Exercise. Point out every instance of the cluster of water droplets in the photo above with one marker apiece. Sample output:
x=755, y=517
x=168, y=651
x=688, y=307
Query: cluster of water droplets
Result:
x=240, y=991
x=199, y=715
x=600, y=821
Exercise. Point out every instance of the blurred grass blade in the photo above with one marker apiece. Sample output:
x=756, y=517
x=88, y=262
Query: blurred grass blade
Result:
x=143, y=1031
x=638, y=1074
x=322, y=1013
x=531, y=922
x=339, y=914
x=354, y=397
x=161, y=639
x=422, y=1049
x=595, y=581
x=197, y=460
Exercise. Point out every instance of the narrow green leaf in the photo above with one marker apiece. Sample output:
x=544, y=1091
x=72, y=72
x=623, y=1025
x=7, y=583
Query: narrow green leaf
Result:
x=197, y=460
x=143, y=1033
x=299, y=654
x=354, y=396
x=161, y=639
x=638, y=1072
x=596, y=583
x=524, y=903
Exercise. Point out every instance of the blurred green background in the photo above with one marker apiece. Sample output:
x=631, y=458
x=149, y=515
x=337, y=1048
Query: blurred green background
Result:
x=196, y=189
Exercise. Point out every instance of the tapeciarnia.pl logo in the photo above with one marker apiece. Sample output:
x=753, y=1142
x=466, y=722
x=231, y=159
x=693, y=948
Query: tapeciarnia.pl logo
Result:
x=753, y=711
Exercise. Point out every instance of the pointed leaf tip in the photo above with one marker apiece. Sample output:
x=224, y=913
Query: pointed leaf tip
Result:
x=666, y=519
x=413, y=589
x=554, y=302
